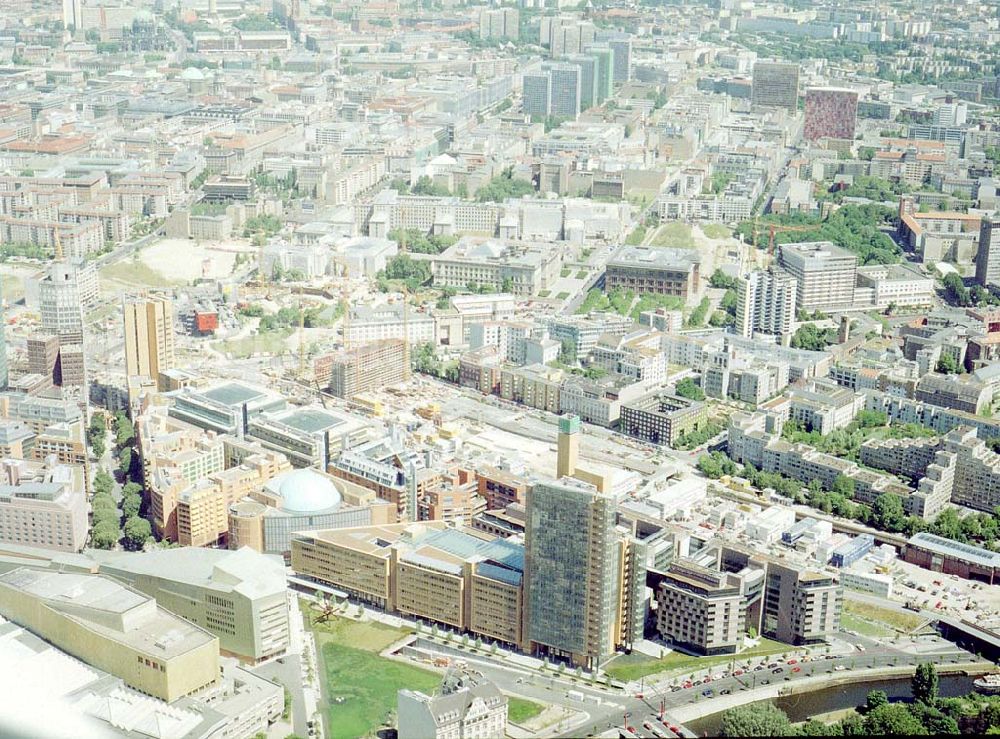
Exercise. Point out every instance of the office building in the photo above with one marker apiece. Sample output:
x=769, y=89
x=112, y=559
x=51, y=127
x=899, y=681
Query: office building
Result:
x=43, y=506
x=830, y=113
x=622, y=61
x=661, y=418
x=568, y=446
x=776, y=85
x=370, y=367
x=502, y=23
x=239, y=596
x=308, y=437
x=226, y=408
x=565, y=91
x=4, y=370
x=72, y=14
x=63, y=296
x=700, y=609
x=605, y=71
x=465, y=707
x=765, y=303
x=43, y=357
x=113, y=628
x=427, y=570
x=988, y=254
x=149, y=337
x=643, y=269
x=800, y=606
x=573, y=568
x=536, y=93
x=825, y=273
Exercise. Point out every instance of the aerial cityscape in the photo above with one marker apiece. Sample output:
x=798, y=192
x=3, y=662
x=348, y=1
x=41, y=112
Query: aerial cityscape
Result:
x=449, y=369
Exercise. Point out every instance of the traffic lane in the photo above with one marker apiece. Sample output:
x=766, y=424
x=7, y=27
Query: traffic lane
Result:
x=651, y=701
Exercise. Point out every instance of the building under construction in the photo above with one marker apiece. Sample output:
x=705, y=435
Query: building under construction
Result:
x=364, y=368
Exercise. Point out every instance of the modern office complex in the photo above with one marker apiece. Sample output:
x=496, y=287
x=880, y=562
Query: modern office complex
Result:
x=776, y=85
x=425, y=570
x=43, y=506
x=700, y=609
x=149, y=336
x=988, y=254
x=63, y=295
x=580, y=598
x=825, y=273
x=830, y=113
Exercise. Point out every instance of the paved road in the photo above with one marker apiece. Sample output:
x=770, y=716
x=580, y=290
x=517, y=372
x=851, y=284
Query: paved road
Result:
x=288, y=671
x=652, y=699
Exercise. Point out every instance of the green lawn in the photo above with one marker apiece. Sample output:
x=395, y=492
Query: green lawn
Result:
x=352, y=669
x=674, y=234
x=368, y=685
x=892, y=619
x=581, y=275
x=865, y=627
x=716, y=231
x=632, y=669
x=562, y=296
x=520, y=710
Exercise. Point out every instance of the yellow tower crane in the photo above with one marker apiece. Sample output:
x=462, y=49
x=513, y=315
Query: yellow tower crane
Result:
x=58, y=245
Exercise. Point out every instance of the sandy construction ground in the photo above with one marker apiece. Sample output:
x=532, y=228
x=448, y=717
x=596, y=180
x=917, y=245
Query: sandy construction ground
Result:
x=172, y=262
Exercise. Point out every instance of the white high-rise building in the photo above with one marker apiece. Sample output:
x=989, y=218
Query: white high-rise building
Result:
x=765, y=303
x=62, y=298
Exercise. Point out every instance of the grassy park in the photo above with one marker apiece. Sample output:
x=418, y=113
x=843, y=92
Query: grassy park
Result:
x=629, y=667
x=353, y=671
x=520, y=710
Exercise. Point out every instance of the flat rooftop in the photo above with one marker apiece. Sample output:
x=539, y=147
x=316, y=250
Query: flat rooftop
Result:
x=232, y=394
x=311, y=420
x=950, y=548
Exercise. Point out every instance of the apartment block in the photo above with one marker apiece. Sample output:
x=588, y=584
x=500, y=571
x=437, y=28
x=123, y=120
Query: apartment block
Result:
x=149, y=336
x=830, y=113
x=661, y=418
x=825, y=273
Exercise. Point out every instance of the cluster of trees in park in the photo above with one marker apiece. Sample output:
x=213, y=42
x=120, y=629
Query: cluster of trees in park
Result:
x=852, y=227
x=810, y=336
x=96, y=431
x=425, y=185
x=697, y=316
x=424, y=359
x=846, y=442
x=927, y=714
x=113, y=522
x=504, y=187
x=872, y=188
x=287, y=317
x=419, y=242
x=412, y=272
x=688, y=388
x=694, y=439
x=957, y=293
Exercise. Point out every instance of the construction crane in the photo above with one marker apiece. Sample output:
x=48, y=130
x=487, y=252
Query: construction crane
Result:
x=58, y=244
x=773, y=229
x=302, y=338
x=406, y=314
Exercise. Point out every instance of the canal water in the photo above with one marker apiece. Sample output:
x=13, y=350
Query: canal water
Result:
x=802, y=706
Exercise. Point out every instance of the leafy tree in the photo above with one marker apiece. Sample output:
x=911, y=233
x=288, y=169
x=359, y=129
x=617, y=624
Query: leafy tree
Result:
x=131, y=505
x=125, y=460
x=131, y=488
x=103, y=482
x=875, y=699
x=955, y=290
x=755, y=719
x=809, y=337
x=933, y=719
x=946, y=364
x=893, y=719
x=925, y=683
x=709, y=467
x=888, y=513
x=137, y=532
x=852, y=725
x=504, y=187
x=688, y=388
x=104, y=535
x=426, y=186
x=843, y=485
x=102, y=501
x=818, y=728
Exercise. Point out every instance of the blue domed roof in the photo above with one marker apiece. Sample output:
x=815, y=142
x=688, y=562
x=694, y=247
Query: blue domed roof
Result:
x=306, y=491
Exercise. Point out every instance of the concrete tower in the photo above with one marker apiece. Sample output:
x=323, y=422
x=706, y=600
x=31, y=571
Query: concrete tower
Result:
x=568, y=446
